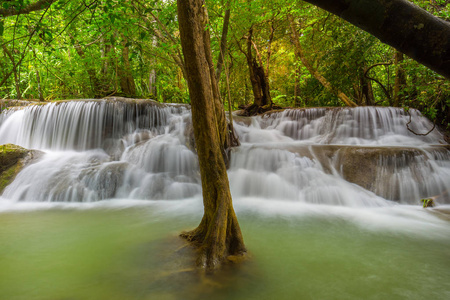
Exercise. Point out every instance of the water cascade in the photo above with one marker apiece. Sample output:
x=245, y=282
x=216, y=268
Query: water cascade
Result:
x=125, y=149
x=328, y=200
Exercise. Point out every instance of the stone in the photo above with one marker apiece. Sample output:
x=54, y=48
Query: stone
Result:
x=13, y=159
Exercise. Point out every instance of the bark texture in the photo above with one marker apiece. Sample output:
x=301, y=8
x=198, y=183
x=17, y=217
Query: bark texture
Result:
x=218, y=236
x=400, y=24
x=258, y=77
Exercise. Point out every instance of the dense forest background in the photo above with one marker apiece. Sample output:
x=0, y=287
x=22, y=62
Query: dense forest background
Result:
x=306, y=56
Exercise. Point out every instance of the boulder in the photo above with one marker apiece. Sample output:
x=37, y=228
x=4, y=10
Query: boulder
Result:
x=12, y=160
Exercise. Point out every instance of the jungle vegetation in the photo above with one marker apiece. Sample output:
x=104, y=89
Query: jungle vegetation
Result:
x=69, y=49
x=256, y=55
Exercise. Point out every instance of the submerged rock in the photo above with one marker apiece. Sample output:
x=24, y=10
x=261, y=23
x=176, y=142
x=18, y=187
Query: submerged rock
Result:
x=12, y=160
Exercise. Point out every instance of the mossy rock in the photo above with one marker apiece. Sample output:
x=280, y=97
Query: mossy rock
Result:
x=12, y=160
x=9, y=155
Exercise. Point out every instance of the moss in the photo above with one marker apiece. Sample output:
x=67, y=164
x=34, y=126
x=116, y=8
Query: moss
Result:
x=8, y=176
x=9, y=155
x=10, y=163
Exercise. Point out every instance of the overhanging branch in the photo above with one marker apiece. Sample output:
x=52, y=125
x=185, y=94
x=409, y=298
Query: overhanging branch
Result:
x=12, y=11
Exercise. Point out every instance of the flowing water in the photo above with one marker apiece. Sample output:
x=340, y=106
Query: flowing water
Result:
x=328, y=201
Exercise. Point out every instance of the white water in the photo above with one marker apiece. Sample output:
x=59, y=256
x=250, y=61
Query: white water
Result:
x=290, y=181
x=96, y=150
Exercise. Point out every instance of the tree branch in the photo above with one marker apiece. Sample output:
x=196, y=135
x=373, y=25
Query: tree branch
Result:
x=12, y=11
x=381, y=85
x=421, y=134
x=401, y=24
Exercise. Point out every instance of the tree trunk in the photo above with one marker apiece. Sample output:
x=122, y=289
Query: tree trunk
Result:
x=95, y=82
x=152, y=75
x=127, y=84
x=258, y=79
x=401, y=24
x=297, y=99
x=400, y=79
x=218, y=236
x=38, y=80
x=326, y=84
x=223, y=40
x=367, y=96
x=370, y=94
x=233, y=137
x=152, y=83
x=16, y=77
x=222, y=125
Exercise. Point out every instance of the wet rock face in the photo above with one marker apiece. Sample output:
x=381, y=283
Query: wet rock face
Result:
x=361, y=165
x=12, y=160
x=102, y=181
x=402, y=174
x=394, y=173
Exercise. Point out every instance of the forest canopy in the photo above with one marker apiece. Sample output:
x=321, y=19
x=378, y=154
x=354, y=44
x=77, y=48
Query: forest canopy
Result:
x=66, y=49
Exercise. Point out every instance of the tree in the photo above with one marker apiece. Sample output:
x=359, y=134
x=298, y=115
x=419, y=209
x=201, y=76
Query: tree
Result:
x=299, y=53
x=218, y=235
x=258, y=22
x=401, y=24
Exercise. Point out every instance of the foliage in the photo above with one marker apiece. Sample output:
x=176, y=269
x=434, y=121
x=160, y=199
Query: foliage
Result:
x=79, y=49
x=428, y=202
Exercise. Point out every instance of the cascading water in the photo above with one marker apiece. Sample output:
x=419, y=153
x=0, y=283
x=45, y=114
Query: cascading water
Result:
x=314, y=155
x=99, y=150
x=328, y=200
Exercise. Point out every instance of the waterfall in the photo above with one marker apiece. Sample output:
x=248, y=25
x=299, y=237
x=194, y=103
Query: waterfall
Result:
x=81, y=125
x=384, y=126
x=135, y=149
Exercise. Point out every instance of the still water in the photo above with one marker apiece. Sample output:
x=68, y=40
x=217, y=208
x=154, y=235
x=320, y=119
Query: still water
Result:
x=113, y=250
x=328, y=201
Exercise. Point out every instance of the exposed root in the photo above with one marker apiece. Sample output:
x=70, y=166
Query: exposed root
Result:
x=195, y=237
x=237, y=259
x=210, y=256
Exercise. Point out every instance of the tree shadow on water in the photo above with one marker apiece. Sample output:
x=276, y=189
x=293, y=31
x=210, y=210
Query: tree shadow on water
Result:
x=166, y=269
